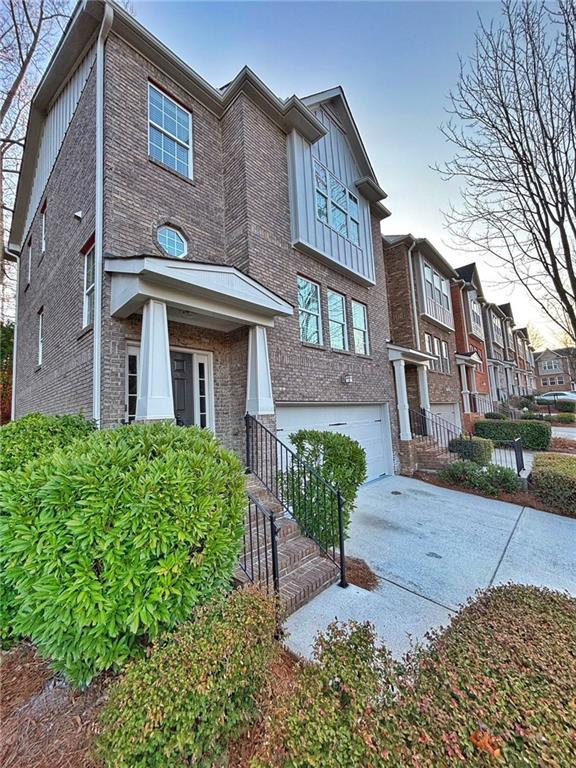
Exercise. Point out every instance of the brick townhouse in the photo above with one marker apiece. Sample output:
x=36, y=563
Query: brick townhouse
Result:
x=193, y=253
x=496, y=351
x=556, y=370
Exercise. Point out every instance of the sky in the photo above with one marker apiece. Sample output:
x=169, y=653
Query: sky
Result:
x=396, y=61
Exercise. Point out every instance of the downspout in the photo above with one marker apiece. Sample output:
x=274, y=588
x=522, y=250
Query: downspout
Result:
x=413, y=294
x=16, y=257
x=99, y=225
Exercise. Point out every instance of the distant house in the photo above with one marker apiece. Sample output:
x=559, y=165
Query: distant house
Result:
x=556, y=369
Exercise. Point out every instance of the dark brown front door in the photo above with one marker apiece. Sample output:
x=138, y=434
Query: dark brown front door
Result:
x=183, y=387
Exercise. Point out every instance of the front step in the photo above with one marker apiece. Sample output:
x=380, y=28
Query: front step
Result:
x=303, y=568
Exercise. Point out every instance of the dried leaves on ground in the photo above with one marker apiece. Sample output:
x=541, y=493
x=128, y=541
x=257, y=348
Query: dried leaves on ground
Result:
x=358, y=572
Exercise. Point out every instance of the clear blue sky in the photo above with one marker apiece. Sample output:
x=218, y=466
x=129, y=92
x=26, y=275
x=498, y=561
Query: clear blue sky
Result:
x=396, y=62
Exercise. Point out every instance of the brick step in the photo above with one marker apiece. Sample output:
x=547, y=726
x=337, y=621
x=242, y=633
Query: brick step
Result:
x=307, y=581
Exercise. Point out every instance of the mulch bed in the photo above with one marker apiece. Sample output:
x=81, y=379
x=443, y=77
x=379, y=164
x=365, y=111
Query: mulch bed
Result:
x=523, y=498
x=358, y=572
x=563, y=445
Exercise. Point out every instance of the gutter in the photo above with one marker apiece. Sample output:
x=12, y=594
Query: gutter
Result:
x=99, y=225
x=14, y=256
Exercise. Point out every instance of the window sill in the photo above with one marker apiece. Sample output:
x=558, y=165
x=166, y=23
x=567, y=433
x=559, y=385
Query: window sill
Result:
x=309, y=345
x=363, y=357
x=341, y=351
x=85, y=331
x=167, y=168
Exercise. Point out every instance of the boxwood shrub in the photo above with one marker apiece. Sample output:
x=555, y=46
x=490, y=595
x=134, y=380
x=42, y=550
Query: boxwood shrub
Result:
x=535, y=435
x=21, y=441
x=342, y=462
x=566, y=406
x=118, y=537
x=476, y=449
x=489, y=480
x=197, y=690
x=495, y=416
x=561, y=418
x=554, y=481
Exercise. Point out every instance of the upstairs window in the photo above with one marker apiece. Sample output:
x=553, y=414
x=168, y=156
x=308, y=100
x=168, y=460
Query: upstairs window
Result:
x=497, y=330
x=337, y=321
x=29, y=254
x=172, y=242
x=437, y=296
x=336, y=206
x=43, y=212
x=360, y=328
x=169, y=132
x=444, y=357
x=309, y=313
x=550, y=365
x=88, y=305
x=430, y=348
x=475, y=314
x=40, y=336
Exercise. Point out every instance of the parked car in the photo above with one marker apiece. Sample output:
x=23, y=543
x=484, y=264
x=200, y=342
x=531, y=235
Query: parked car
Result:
x=552, y=397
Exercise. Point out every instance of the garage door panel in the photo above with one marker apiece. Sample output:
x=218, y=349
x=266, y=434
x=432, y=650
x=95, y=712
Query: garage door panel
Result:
x=364, y=423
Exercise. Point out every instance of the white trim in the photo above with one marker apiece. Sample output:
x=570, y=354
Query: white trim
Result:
x=341, y=323
x=88, y=289
x=43, y=221
x=166, y=132
x=40, y=356
x=365, y=330
x=317, y=315
x=29, y=253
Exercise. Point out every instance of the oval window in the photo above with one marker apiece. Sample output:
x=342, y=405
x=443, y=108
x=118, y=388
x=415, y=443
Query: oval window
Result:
x=172, y=242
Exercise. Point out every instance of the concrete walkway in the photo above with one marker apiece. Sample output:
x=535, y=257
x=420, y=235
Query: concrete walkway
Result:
x=432, y=549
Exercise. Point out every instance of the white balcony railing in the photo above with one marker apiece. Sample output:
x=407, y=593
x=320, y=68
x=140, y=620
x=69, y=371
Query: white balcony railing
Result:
x=439, y=312
x=477, y=329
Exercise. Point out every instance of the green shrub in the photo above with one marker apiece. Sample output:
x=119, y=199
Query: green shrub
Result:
x=561, y=418
x=489, y=480
x=476, y=449
x=531, y=416
x=535, y=435
x=566, y=406
x=497, y=686
x=117, y=538
x=21, y=441
x=495, y=416
x=38, y=435
x=554, y=481
x=342, y=462
x=527, y=401
x=196, y=692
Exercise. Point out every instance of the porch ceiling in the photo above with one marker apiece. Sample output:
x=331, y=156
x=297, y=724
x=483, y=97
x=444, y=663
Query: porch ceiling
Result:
x=209, y=295
x=414, y=356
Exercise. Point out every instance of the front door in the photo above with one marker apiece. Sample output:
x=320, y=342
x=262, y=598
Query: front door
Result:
x=182, y=367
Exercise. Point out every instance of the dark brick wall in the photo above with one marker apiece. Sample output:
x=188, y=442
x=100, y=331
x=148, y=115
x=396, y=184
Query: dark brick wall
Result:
x=63, y=384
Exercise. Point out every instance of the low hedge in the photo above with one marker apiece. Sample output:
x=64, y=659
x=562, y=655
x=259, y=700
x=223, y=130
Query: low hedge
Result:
x=489, y=480
x=566, y=406
x=561, y=418
x=117, y=538
x=197, y=690
x=476, y=449
x=495, y=416
x=535, y=436
x=554, y=481
x=496, y=687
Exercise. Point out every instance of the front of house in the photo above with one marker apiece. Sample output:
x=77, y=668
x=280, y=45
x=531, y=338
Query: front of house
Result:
x=556, y=370
x=193, y=254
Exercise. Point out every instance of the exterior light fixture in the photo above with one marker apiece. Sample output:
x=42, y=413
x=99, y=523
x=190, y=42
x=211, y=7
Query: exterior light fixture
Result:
x=346, y=378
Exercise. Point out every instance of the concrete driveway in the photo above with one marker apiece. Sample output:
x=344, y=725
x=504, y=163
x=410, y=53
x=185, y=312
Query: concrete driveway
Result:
x=432, y=549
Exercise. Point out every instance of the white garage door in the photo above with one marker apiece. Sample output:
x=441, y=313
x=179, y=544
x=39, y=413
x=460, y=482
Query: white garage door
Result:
x=368, y=424
x=448, y=411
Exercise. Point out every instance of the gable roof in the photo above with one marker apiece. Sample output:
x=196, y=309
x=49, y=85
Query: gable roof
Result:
x=469, y=274
x=423, y=245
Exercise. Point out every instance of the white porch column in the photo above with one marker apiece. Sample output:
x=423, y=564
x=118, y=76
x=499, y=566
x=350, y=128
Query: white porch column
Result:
x=423, y=387
x=259, y=399
x=155, y=402
x=402, y=398
x=465, y=392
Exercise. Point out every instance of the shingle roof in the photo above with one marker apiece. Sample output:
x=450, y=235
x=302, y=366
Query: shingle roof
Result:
x=466, y=272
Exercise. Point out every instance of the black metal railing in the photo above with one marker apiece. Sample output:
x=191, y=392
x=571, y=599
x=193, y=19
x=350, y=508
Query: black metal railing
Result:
x=436, y=432
x=315, y=504
x=259, y=556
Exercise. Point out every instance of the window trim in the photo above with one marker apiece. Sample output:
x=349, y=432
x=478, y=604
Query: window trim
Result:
x=88, y=289
x=439, y=311
x=179, y=233
x=188, y=147
x=343, y=324
x=365, y=331
x=29, y=272
x=446, y=368
x=327, y=195
x=40, y=355
x=43, y=220
x=301, y=310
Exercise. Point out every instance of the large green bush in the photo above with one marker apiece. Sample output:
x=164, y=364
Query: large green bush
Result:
x=21, y=441
x=197, y=691
x=497, y=687
x=489, y=480
x=554, y=481
x=495, y=415
x=117, y=538
x=341, y=461
x=535, y=435
x=476, y=449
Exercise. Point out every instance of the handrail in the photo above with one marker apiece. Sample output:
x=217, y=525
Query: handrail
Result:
x=259, y=558
x=304, y=494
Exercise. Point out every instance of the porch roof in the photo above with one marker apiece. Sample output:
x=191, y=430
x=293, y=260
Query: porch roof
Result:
x=209, y=295
x=414, y=356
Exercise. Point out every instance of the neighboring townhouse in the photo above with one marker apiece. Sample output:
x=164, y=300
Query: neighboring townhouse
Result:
x=510, y=352
x=556, y=370
x=525, y=366
x=422, y=330
x=494, y=320
x=471, y=356
x=195, y=253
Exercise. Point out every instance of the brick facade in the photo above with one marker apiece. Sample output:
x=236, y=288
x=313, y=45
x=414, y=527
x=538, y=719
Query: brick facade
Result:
x=566, y=362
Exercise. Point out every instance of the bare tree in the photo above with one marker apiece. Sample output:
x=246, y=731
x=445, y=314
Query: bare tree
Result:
x=513, y=126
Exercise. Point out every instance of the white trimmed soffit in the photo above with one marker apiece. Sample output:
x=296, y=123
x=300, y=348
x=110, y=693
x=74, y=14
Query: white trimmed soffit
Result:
x=81, y=31
x=469, y=360
x=210, y=295
x=414, y=356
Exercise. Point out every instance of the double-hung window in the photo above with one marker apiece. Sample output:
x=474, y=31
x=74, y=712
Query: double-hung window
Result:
x=29, y=254
x=88, y=306
x=336, y=206
x=169, y=132
x=43, y=214
x=429, y=340
x=550, y=365
x=437, y=295
x=40, y=336
x=337, y=321
x=360, y=328
x=476, y=316
x=444, y=357
x=309, y=311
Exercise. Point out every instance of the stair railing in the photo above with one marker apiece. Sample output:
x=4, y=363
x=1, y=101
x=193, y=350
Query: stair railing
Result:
x=259, y=555
x=315, y=504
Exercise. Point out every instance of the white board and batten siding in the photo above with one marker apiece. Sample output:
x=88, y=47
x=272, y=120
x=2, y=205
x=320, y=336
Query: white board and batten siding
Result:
x=308, y=232
x=368, y=424
x=54, y=130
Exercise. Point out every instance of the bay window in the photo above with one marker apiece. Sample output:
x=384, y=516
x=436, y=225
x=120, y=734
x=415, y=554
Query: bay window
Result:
x=437, y=296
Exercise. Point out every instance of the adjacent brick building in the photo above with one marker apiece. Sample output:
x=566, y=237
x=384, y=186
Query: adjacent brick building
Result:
x=556, y=370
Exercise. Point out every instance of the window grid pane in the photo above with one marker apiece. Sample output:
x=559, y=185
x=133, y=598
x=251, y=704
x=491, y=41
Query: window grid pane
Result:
x=169, y=132
x=360, y=328
x=309, y=311
x=172, y=242
x=336, y=207
x=337, y=321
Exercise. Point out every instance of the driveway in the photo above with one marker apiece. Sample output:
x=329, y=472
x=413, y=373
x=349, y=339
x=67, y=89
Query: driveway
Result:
x=432, y=549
